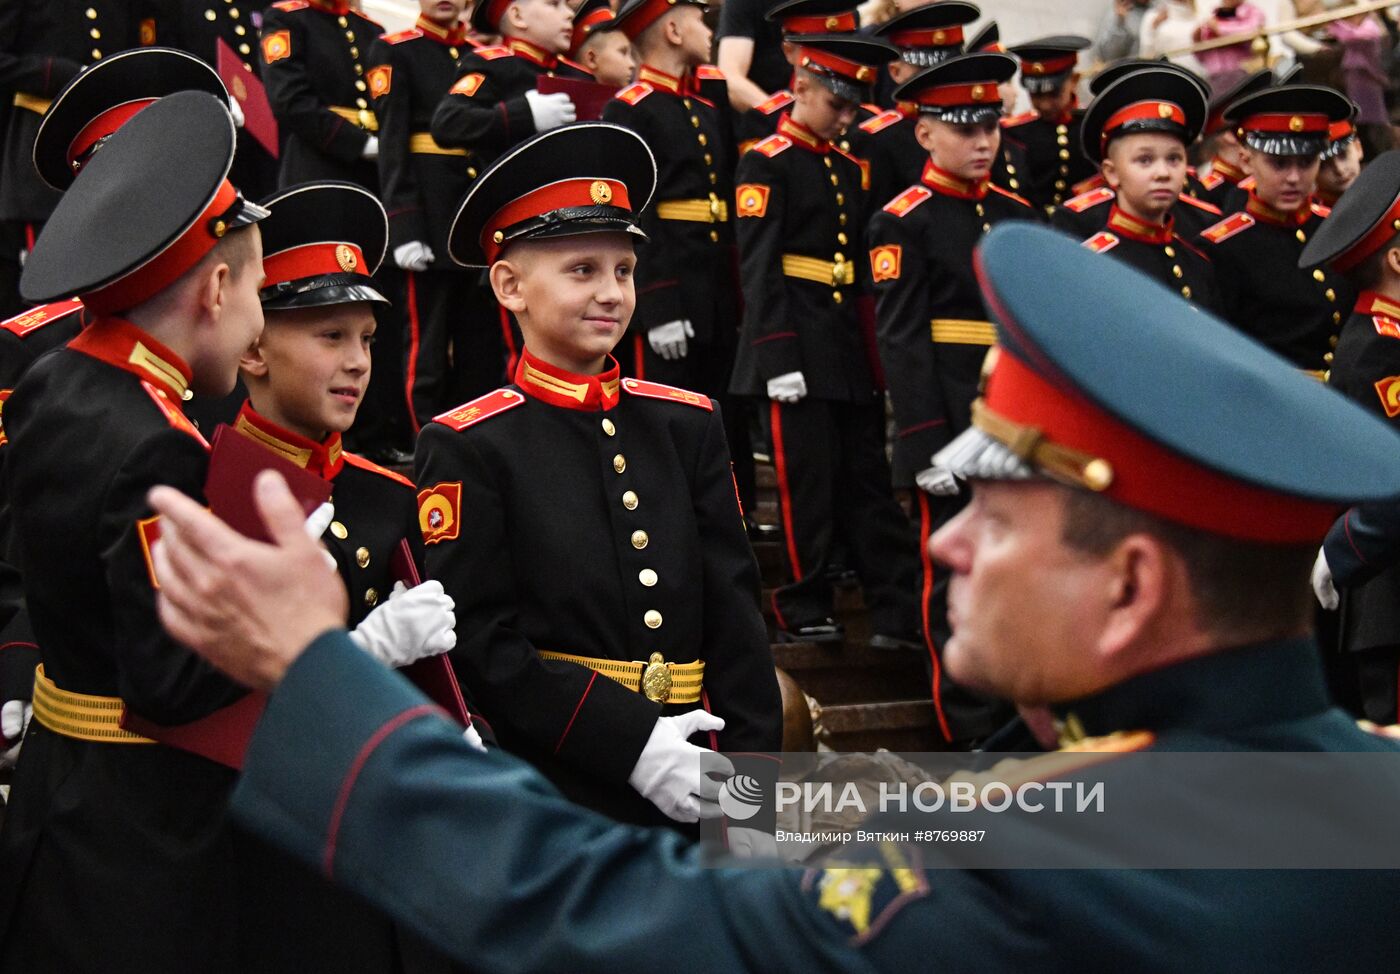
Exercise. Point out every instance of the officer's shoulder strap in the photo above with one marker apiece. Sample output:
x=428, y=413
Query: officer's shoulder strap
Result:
x=290, y=5
x=35, y=318
x=1011, y=196
x=1101, y=242
x=398, y=37
x=634, y=93
x=1094, y=197
x=880, y=122
x=781, y=100
x=575, y=65
x=1190, y=200
x=355, y=460
x=493, y=53
x=1022, y=119
x=772, y=145
x=480, y=408
x=655, y=390
x=908, y=200
x=1233, y=224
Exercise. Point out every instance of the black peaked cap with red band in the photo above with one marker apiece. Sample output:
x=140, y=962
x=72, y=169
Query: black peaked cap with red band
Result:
x=635, y=16
x=1365, y=219
x=929, y=34
x=1129, y=65
x=591, y=17
x=844, y=64
x=1289, y=120
x=144, y=210
x=797, y=17
x=960, y=90
x=987, y=40
x=1156, y=99
x=1048, y=61
x=1191, y=420
x=1249, y=85
x=321, y=242
x=590, y=177
x=106, y=95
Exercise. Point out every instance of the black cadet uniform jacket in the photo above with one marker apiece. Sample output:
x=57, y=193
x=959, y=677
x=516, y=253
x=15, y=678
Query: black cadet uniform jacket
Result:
x=1263, y=292
x=687, y=268
x=198, y=27
x=1089, y=213
x=1161, y=253
x=1054, y=160
x=597, y=517
x=801, y=218
x=43, y=45
x=314, y=62
x=420, y=181
x=932, y=326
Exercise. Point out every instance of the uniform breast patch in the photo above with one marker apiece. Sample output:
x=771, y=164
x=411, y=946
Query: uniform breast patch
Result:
x=1389, y=391
x=277, y=45
x=1386, y=326
x=380, y=79
x=751, y=199
x=439, y=512
x=467, y=84
x=884, y=262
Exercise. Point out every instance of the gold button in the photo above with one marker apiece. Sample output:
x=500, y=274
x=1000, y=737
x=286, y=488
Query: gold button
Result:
x=1169, y=250
x=647, y=577
x=210, y=15
x=687, y=103
x=1302, y=237
x=360, y=102
x=836, y=296
x=371, y=596
x=354, y=51
x=834, y=180
x=342, y=21
x=1064, y=154
x=1318, y=276
x=244, y=49
x=1186, y=291
x=96, y=54
x=233, y=13
x=1062, y=139
x=1059, y=184
x=1061, y=130
x=694, y=120
x=986, y=228
x=841, y=219
x=629, y=500
x=1330, y=294
x=1332, y=340
x=709, y=159
x=619, y=463
x=1015, y=184
x=703, y=140
x=639, y=540
x=609, y=428
x=713, y=179
x=359, y=84
x=350, y=36
x=96, y=34
x=981, y=210
x=453, y=52
x=714, y=236
x=1336, y=317
x=1327, y=358
x=359, y=69
x=840, y=199
x=841, y=237
x=652, y=619
x=91, y=14
x=826, y=160
x=362, y=557
x=1010, y=169
x=239, y=29
x=338, y=530
x=1176, y=272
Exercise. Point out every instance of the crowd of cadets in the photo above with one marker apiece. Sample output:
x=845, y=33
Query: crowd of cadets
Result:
x=808, y=261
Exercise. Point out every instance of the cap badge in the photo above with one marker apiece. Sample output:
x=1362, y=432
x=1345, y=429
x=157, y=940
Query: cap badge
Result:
x=1164, y=110
x=345, y=257
x=1295, y=124
x=977, y=92
x=939, y=36
x=832, y=23
x=600, y=192
x=863, y=74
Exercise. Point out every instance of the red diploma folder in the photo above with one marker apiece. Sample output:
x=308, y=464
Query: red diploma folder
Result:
x=433, y=675
x=588, y=97
x=242, y=84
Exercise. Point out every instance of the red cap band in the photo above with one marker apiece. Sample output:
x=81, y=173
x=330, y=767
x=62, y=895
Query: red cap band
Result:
x=546, y=199
x=1057, y=65
x=496, y=9
x=645, y=15
x=599, y=16
x=1385, y=230
x=927, y=37
x=828, y=24
x=1295, y=123
x=1140, y=111
x=854, y=70
x=313, y=260
x=976, y=93
x=102, y=126
x=1340, y=130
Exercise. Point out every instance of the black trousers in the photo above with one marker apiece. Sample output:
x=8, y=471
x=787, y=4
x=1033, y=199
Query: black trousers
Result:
x=455, y=351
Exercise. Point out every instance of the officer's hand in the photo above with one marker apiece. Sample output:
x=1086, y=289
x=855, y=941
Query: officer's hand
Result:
x=1322, y=585
x=371, y=149
x=414, y=623
x=236, y=110
x=789, y=387
x=671, y=772
x=550, y=111
x=14, y=721
x=937, y=480
x=669, y=340
x=413, y=256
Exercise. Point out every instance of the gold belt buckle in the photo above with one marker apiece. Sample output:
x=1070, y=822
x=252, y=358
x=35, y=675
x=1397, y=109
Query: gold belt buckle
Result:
x=656, y=679
x=365, y=118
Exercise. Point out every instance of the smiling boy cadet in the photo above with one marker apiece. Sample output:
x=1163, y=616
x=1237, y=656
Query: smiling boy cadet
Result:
x=586, y=525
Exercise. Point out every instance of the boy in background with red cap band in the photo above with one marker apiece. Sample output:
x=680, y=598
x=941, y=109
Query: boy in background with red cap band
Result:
x=600, y=46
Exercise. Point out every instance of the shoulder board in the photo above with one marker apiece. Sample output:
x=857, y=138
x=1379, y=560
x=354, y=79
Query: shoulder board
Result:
x=493, y=53
x=34, y=318
x=1321, y=210
x=1087, y=185
x=1011, y=196
x=1228, y=227
x=871, y=107
x=1248, y=183
x=1212, y=180
x=772, y=145
x=880, y=122
x=907, y=200
x=1101, y=242
x=172, y=412
x=781, y=100
x=401, y=36
x=708, y=72
x=634, y=93
x=1190, y=200
x=1386, y=326
x=290, y=5
x=575, y=65
x=471, y=413
x=1094, y=197
x=655, y=390
x=358, y=461
x=1021, y=119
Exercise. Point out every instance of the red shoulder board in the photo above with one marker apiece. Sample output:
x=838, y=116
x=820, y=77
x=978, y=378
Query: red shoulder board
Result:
x=1101, y=242
x=634, y=93
x=575, y=65
x=1321, y=210
x=1228, y=227
x=400, y=36
x=1248, y=183
x=781, y=100
x=880, y=122
x=290, y=5
x=1087, y=185
x=372, y=467
x=493, y=53
x=907, y=200
x=1386, y=326
x=1021, y=119
x=1190, y=200
x=772, y=145
x=172, y=412
x=23, y=324
x=708, y=72
x=655, y=390
x=1094, y=197
x=478, y=409
x=1011, y=196
x=1212, y=180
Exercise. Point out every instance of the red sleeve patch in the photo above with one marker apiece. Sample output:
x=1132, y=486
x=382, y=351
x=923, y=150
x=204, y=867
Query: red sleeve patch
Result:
x=655, y=390
x=773, y=145
x=909, y=199
x=440, y=512
x=635, y=93
x=467, y=84
x=880, y=122
x=23, y=324
x=372, y=467
x=1094, y=197
x=1389, y=391
x=277, y=45
x=480, y=408
x=1101, y=242
x=148, y=32
x=380, y=80
x=1386, y=326
x=751, y=200
x=885, y=261
x=148, y=532
x=1233, y=224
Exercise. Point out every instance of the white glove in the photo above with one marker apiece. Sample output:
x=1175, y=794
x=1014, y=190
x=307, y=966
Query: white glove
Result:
x=550, y=111
x=236, y=110
x=1322, y=585
x=413, y=256
x=473, y=737
x=668, y=773
x=318, y=520
x=789, y=387
x=14, y=721
x=414, y=623
x=371, y=149
x=937, y=480
x=669, y=340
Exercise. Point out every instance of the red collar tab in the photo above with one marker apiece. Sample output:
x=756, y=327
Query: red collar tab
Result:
x=118, y=342
x=313, y=260
x=1127, y=467
x=452, y=38
x=1294, y=123
x=161, y=271
x=537, y=56
x=324, y=459
x=925, y=37
x=842, y=23
x=1371, y=303
x=545, y=382
x=547, y=199
x=951, y=96
x=949, y=185
x=802, y=135
x=1231, y=173
x=1377, y=237
x=338, y=7
x=660, y=79
x=100, y=127
x=583, y=26
x=1140, y=111
x=1140, y=230
x=843, y=67
x=1049, y=67
x=1266, y=213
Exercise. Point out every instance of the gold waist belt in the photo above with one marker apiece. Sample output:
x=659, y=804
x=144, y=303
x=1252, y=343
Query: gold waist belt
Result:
x=960, y=331
x=655, y=679
x=828, y=272
x=362, y=117
x=81, y=715
x=32, y=102
x=712, y=210
x=422, y=142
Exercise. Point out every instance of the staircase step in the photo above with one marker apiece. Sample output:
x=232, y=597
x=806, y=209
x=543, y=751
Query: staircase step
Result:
x=852, y=674
x=898, y=725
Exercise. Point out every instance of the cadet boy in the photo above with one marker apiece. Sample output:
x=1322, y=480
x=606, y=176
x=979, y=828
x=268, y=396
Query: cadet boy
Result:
x=801, y=208
x=1226, y=170
x=585, y=524
x=600, y=47
x=920, y=253
x=1341, y=162
x=1050, y=134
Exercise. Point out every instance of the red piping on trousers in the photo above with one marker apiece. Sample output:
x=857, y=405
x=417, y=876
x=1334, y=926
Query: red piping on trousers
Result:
x=926, y=561
x=784, y=496
x=639, y=367
x=413, y=337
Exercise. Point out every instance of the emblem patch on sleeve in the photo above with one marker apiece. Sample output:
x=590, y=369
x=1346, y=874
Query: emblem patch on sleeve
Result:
x=148, y=32
x=148, y=531
x=468, y=84
x=751, y=199
x=277, y=45
x=1386, y=326
x=439, y=512
x=863, y=898
x=379, y=80
x=1389, y=391
x=884, y=262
